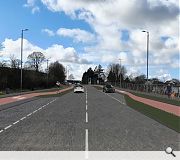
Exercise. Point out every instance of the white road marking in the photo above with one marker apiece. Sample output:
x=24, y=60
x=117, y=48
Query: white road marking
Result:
x=29, y=114
x=23, y=118
x=86, y=117
x=113, y=98
x=86, y=144
x=16, y=122
x=18, y=97
x=8, y=127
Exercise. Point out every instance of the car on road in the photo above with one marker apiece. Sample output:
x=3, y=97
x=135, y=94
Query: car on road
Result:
x=78, y=89
x=108, y=88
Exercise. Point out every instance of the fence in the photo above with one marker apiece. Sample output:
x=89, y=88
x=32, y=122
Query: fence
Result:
x=160, y=89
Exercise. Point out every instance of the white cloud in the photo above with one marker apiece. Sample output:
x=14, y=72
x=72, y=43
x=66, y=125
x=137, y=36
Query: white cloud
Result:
x=55, y=52
x=35, y=9
x=48, y=31
x=109, y=17
x=77, y=34
x=32, y=4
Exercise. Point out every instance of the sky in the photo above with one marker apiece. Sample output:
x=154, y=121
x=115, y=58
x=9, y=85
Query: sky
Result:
x=84, y=33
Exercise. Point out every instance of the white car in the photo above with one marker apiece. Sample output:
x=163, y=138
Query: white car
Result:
x=78, y=89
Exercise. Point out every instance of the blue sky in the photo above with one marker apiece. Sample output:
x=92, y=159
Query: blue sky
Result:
x=82, y=34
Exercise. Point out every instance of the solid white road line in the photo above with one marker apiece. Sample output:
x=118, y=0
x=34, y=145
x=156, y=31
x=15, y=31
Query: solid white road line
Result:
x=113, y=98
x=8, y=127
x=16, y=122
x=1, y=131
x=86, y=117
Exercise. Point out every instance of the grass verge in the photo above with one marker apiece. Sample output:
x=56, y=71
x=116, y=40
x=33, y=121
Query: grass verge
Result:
x=55, y=95
x=165, y=118
x=165, y=100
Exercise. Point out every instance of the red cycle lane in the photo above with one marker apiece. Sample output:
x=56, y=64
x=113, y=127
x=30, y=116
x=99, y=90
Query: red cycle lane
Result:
x=27, y=96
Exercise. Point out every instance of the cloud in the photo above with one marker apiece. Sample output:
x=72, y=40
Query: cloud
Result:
x=55, y=52
x=109, y=18
x=77, y=34
x=48, y=31
x=32, y=4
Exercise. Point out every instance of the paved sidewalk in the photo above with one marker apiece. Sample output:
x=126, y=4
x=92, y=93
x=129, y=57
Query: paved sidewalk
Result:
x=27, y=96
x=160, y=105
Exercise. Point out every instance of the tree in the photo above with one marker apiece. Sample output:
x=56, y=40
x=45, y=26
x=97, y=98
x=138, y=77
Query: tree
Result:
x=14, y=63
x=99, y=74
x=115, y=72
x=140, y=79
x=56, y=72
x=71, y=77
x=35, y=60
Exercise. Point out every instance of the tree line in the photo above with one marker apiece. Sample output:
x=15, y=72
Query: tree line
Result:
x=33, y=76
x=115, y=75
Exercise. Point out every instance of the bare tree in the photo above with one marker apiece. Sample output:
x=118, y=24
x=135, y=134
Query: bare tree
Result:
x=71, y=77
x=14, y=62
x=115, y=72
x=35, y=60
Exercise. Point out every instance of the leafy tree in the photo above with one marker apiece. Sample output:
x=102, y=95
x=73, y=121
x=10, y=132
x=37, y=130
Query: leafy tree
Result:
x=35, y=60
x=56, y=72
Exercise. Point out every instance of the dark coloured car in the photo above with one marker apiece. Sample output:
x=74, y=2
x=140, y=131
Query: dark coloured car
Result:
x=108, y=89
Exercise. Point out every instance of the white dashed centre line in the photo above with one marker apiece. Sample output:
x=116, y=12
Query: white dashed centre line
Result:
x=8, y=127
x=86, y=117
x=16, y=122
x=86, y=130
x=86, y=144
x=1, y=131
x=23, y=118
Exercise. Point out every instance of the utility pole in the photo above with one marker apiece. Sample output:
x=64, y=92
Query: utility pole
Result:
x=120, y=73
x=147, y=53
x=47, y=72
x=22, y=56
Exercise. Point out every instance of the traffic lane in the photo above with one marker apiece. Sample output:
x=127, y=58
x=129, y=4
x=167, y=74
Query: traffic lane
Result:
x=59, y=126
x=116, y=127
x=16, y=112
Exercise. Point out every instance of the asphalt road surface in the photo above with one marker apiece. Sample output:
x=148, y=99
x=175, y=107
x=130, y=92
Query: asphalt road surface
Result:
x=90, y=121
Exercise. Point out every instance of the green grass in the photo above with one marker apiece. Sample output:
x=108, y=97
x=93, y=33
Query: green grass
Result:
x=55, y=95
x=1, y=93
x=165, y=118
x=160, y=99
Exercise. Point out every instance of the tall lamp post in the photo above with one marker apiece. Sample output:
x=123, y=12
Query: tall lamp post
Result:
x=22, y=54
x=120, y=73
x=147, y=51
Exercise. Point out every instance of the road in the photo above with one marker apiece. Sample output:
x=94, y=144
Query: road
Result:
x=91, y=121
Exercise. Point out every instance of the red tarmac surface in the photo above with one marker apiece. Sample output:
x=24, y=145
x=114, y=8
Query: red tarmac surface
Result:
x=160, y=105
x=27, y=96
x=156, y=104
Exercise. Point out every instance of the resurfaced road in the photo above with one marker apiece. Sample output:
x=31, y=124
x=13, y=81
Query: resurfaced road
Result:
x=91, y=121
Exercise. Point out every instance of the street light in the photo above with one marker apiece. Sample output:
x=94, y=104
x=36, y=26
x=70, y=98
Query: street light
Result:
x=120, y=71
x=147, y=51
x=22, y=53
